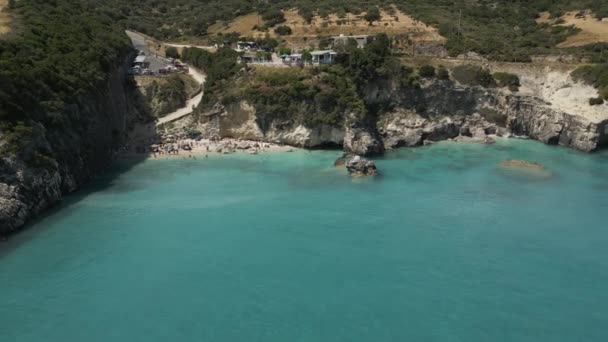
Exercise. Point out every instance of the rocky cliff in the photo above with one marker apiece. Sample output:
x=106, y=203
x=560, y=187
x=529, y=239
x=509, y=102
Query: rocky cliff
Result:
x=73, y=151
x=443, y=109
x=163, y=95
x=438, y=110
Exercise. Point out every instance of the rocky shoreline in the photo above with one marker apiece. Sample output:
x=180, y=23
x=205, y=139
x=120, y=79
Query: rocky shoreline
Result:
x=438, y=110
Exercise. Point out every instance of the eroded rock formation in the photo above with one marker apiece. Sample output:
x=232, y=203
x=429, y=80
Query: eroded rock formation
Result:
x=439, y=110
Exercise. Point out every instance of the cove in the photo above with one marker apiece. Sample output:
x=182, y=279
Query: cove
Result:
x=445, y=245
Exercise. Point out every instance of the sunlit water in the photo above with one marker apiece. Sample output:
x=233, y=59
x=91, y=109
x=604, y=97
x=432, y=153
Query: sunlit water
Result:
x=446, y=245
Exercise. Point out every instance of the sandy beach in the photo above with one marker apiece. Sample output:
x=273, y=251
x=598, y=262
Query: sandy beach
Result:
x=192, y=148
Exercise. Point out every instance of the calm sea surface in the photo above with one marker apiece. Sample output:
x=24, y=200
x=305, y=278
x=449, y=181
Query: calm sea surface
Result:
x=445, y=246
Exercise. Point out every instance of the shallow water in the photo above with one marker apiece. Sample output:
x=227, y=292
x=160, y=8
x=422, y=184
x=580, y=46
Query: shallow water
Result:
x=446, y=245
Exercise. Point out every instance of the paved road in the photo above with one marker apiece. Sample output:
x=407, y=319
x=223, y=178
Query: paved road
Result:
x=139, y=42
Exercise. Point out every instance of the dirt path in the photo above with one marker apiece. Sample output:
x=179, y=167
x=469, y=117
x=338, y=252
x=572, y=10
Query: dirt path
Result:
x=139, y=42
x=193, y=102
x=181, y=46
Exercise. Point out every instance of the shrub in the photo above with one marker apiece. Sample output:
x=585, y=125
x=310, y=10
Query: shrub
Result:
x=307, y=14
x=595, y=101
x=473, y=75
x=283, y=30
x=284, y=50
x=427, y=71
x=307, y=56
x=595, y=75
x=373, y=14
x=505, y=79
x=443, y=73
x=273, y=17
x=604, y=92
x=171, y=52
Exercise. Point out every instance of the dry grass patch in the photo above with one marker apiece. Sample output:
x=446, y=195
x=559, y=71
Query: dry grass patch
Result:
x=243, y=25
x=396, y=24
x=592, y=30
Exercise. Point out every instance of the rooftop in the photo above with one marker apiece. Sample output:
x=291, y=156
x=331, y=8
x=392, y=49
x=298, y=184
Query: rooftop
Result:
x=352, y=36
x=322, y=52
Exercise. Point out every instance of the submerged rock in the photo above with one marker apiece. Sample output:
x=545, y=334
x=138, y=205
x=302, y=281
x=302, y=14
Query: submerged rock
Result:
x=358, y=167
x=522, y=163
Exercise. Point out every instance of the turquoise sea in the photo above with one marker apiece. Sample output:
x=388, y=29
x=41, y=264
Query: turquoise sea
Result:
x=446, y=245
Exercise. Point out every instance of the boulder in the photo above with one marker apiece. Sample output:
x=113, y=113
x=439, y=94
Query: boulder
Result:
x=341, y=161
x=358, y=167
x=244, y=145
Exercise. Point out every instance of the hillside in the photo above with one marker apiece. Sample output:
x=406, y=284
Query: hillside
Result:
x=499, y=30
x=395, y=23
x=590, y=29
x=64, y=103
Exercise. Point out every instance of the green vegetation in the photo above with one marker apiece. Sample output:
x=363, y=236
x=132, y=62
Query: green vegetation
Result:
x=595, y=75
x=171, y=52
x=595, y=101
x=597, y=53
x=273, y=17
x=427, y=71
x=504, y=79
x=370, y=63
x=61, y=52
x=320, y=95
x=443, y=73
x=218, y=66
x=312, y=97
x=283, y=30
x=169, y=93
x=373, y=14
x=473, y=75
x=501, y=30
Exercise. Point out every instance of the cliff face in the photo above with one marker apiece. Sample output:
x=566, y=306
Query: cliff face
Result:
x=442, y=109
x=80, y=147
x=436, y=111
x=163, y=95
x=240, y=120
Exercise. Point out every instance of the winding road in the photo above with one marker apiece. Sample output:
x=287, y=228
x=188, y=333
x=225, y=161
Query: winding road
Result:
x=190, y=104
x=139, y=42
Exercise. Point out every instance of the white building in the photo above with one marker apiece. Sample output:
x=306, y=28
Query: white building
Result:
x=323, y=57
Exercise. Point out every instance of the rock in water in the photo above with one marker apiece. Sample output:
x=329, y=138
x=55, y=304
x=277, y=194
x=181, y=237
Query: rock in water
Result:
x=358, y=167
x=341, y=161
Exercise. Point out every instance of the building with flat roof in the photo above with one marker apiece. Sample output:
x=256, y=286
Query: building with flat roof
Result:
x=323, y=57
x=141, y=62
